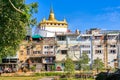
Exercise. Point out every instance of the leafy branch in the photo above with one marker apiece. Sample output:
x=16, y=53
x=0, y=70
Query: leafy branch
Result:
x=15, y=7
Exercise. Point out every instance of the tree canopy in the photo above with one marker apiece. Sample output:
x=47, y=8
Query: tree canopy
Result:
x=98, y=64
x=69, y=65
x=15, y=16
x=83, y=62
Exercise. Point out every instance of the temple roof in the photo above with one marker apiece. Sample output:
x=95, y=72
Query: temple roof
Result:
x=52, y=19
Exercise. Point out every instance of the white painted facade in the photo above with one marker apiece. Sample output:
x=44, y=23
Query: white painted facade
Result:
x=48, y=28
x=95, y=48
x=55, y=29
x=45, y=33
x=98, y=49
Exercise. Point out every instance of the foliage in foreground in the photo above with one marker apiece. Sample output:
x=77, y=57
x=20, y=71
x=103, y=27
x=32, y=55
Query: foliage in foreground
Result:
x=69, y=66
x=50, y=74
x=75, y=79
x=15, y=16
x=83, y=62
x=98, y=64
x=19, y=78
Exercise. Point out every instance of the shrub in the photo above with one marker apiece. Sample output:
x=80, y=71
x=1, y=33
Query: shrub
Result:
x=33, y=68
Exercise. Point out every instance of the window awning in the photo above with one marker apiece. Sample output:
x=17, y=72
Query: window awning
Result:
x=37, y=36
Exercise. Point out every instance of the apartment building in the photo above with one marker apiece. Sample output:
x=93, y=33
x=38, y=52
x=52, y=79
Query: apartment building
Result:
x=101, y=45
x=67, y=45
x=39, y=52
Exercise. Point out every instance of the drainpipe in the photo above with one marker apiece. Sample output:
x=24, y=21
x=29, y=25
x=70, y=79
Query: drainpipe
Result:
x=66, y=41
x=118, y=43
x=91, y=51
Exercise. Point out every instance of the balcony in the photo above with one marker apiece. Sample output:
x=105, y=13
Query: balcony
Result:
x=49, y=60
x=111, y=41
x=42, y=55
x=69, y=42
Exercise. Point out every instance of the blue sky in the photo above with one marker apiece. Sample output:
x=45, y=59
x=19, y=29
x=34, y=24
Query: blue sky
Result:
x=82, y=14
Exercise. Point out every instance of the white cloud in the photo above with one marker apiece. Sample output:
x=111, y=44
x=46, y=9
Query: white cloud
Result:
x=117, y=8
x=108, y=20
x=110, y=16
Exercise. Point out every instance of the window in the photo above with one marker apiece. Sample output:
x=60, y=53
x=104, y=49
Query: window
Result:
x=99, y=46
x=51, y=52
x=98, y=51
x=111, y=37
x=28, y=51
x=112, y=46
x=72, y=38
x=85, y=46
x=39, y=52
x=97, y=37
x=62, y=64
x=112, y=51
x=49, y=60
x=86, y=51
x=45, y=47
x=61, y=38
x=64, y=51
x=46, y=52
x=34, y=52
x=48, y=47
x=51, y=46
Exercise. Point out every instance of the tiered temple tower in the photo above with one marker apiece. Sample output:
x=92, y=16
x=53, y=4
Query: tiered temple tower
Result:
x=52, y=25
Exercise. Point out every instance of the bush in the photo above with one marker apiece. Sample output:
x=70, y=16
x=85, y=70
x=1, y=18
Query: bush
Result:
x=33, y=68
x=101, y=76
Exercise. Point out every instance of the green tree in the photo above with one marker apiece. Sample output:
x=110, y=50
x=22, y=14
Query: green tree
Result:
x=53, y=67
x=15, y=16
x=33, y=68
x=83, y=62
x=98, y=64
x=69, y=66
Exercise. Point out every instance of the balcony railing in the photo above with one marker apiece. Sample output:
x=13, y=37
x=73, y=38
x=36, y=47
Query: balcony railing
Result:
x=48, y=61
x=69, y=42
x=41, y=55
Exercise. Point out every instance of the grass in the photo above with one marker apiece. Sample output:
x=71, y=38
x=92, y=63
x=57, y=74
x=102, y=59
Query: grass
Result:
x=37, y=78
x=33, y=78
x=19, y=78
x=77, y=79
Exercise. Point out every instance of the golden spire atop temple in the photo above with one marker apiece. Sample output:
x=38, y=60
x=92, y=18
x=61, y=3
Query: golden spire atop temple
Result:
x=51, y=15
x=52, y=24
